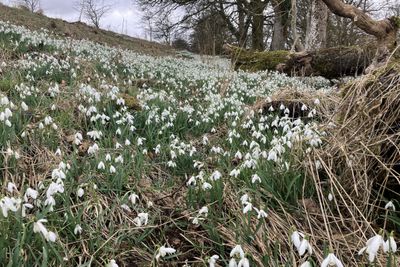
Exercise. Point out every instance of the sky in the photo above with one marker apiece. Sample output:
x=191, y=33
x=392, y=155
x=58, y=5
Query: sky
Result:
x=121, y=10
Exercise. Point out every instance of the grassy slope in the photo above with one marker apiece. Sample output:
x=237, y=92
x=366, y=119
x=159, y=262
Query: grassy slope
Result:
x=79, y=30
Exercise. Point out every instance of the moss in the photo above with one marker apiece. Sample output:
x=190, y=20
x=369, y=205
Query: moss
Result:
x=258, y=61
x=131, y=102
x=395, y=21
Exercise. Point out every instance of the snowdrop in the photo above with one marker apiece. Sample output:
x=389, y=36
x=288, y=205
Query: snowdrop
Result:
x=142, y=219
x=372, y=247
x=331, y=260
x=244, y=262
x=133, y=198
x=237, y=251
x=38, y=227
x=213, y=260
x=11, y=187
x=112, y=263
x=390, y=244
x=80, y=192
x=163, y=251
x=77, y=229
x=390, y=205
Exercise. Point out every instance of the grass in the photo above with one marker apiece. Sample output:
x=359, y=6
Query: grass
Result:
x=145, y=152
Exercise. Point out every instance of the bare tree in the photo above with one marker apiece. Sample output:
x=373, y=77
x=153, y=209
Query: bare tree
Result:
x=385, y=31
x=32, y=5
x=93, y=10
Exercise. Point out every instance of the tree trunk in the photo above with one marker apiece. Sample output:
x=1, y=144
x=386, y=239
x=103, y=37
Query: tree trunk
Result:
x=257, y=25
x=328, y=62
x=316, y=26
x=279, y=35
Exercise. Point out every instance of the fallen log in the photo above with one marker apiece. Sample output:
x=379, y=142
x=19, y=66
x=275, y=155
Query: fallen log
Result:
x=329, y=62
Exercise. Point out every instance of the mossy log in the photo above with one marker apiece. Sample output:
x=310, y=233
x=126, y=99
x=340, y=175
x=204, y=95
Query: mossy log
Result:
x=329, y=62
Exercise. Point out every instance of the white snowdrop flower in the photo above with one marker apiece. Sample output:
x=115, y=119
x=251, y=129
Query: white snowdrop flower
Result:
x=306, y=264
x=54, y=126
x=9, y=124
x=238, y=155
x=213, y=260
x=248, y=207
x=163, y=251
x=330, y=197
x=191, y=181
x=232, y=263
x=261, y=213
x=144, y=151
x=108, y=157
x=112, y=169
x=93, y=149
x=140, y=141
x=95, y=135
x=216, y=175
x=171, y=164
x=58, y=152
x=127, y=142
x=255, y=178
x=118, y=145
x=9, y=204
x=38, y=227
x=390, y=205
x=237, y=251
x=126, y=208
x=331, y=260
x=372, y=247
x=244, y=199
x=317, y=102
x=305, y=246
x=296, y=239
x=23, y=135
x=119, y=159
x=25, y=207
x=206, y=186
x=112, y=263
x=244, y=262
x=133, y=198
x=24, y=106
x=30, y=193
x=101, y=166
x=48, y=120
x=53, y=107
x=78, y=139
x=80, y=192
x=303, y=107
x=41, y=126
x=272, y=155
x=390, y=244
x=235, y=173
x=118, y=131
x=78, y=229
x=142, y=219
x=157, y=149
x=203, y=210
x=11, y=187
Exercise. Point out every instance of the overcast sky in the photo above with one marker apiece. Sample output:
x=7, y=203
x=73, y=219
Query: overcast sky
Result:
x=122, y=10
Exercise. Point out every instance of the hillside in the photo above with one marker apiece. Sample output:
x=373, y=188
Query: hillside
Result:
x=79, y=30
x=113, y=157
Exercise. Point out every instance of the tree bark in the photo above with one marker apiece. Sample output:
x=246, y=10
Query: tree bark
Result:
x=328, y=62
x=317, y=24
x=279, y=35
x=257, y=34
